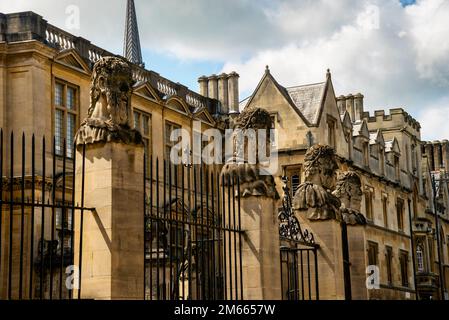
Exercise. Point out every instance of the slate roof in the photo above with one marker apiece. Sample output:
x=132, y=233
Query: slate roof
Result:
x=308, y=100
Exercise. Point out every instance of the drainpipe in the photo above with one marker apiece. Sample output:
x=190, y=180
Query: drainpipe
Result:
x=346, y=261
x=413, y=248
x=437, y=230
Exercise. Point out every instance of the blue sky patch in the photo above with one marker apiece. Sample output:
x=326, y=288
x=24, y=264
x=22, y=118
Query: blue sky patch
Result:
x=406, y=3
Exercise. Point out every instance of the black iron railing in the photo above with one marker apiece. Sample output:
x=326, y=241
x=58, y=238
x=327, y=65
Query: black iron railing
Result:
x=299, y=254
x=38, y=215
x=193, y=247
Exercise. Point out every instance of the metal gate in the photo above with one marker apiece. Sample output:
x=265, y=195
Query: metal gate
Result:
x=299, y=256
x=38, y=215
x=193, y=235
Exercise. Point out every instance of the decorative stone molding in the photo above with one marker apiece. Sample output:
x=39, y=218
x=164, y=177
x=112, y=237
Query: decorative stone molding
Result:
x=251, y=182
x=315, y=196
x=349, y=191
x=110, y=99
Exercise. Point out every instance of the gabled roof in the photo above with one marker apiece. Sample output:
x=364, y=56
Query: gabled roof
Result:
x=306, y=100
x=346, y=120
x=204, y=116
x=360, y=129
x=71, y=58
x=377, y=138
x=145, y=90
x=392, y=146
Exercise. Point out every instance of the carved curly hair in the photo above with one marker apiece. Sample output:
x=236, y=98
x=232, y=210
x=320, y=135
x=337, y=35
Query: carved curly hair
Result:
x=254, y=118
x=106, y=68
x=348, y=183
x=316, y=156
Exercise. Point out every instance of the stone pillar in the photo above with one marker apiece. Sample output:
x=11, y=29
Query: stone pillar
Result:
x=358, y=106
x=113, y=237
x=223, y=92
x=204, y=90
x=350, y=106
x=260, y=249
x=357, y=254
x=341, y=103
x=437, y=155
x=233, y=88
x=213, y=87
x=429, y=153
x=445, y=149
x=330, y=258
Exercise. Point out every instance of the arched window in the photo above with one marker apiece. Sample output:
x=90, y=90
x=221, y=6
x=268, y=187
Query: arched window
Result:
x=420, y=257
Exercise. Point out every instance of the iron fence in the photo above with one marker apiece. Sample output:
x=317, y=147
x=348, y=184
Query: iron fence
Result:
x=299, y=255
x=37, y=220
x=193, y=247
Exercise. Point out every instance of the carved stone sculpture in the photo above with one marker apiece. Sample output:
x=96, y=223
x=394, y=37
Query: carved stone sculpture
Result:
x=349, y=191
x=109, y=111
x=253, y=180
x=315, y=196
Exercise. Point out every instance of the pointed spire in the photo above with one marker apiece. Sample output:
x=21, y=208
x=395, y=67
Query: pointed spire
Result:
x=132, y=50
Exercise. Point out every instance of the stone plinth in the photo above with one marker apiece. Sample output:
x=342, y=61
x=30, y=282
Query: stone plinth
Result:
x=113, y=237
x=330, y=258
x=357, y=254
x=260, y=249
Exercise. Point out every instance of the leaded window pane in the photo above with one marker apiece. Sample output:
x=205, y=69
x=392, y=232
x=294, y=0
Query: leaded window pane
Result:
x=59, y=94
x=59, y=132
x=71, y=99
x=70, y=134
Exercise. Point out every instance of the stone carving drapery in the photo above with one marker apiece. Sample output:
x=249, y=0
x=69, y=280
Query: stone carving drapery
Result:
x=315, y=196
x=253, y=180
x=110, y=99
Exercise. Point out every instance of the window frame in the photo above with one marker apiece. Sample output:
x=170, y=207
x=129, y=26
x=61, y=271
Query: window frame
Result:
x=400, y=203
x=66, y=111
x=404, y=265
x=147, y=137
x=375, y=247
x=389, y=264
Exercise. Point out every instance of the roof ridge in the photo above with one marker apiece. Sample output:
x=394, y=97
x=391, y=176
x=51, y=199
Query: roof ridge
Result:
x=306, y=85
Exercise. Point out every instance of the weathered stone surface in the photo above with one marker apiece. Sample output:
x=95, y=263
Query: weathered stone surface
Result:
x=110, y=105
x=254, y=180
x=349, y=191
x=315, y=195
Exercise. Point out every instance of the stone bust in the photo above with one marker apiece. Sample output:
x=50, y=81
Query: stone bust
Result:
x=110, y=99
x=254, y=180
x=315, y=196
x=349, y=191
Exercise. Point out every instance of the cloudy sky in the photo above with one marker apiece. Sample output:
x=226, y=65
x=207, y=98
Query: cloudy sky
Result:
x=395, y=52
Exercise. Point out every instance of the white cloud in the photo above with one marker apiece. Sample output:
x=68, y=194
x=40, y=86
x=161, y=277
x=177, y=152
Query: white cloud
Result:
x=395, y=56
x=434, y=120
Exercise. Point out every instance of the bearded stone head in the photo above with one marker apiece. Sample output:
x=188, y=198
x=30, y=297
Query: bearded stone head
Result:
x=111, y=90
x=320, y=166
x=349, y=190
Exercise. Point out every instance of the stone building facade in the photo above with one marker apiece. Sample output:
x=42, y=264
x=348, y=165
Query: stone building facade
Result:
x=45, y=76
x=396, y=169
x=45, y=89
